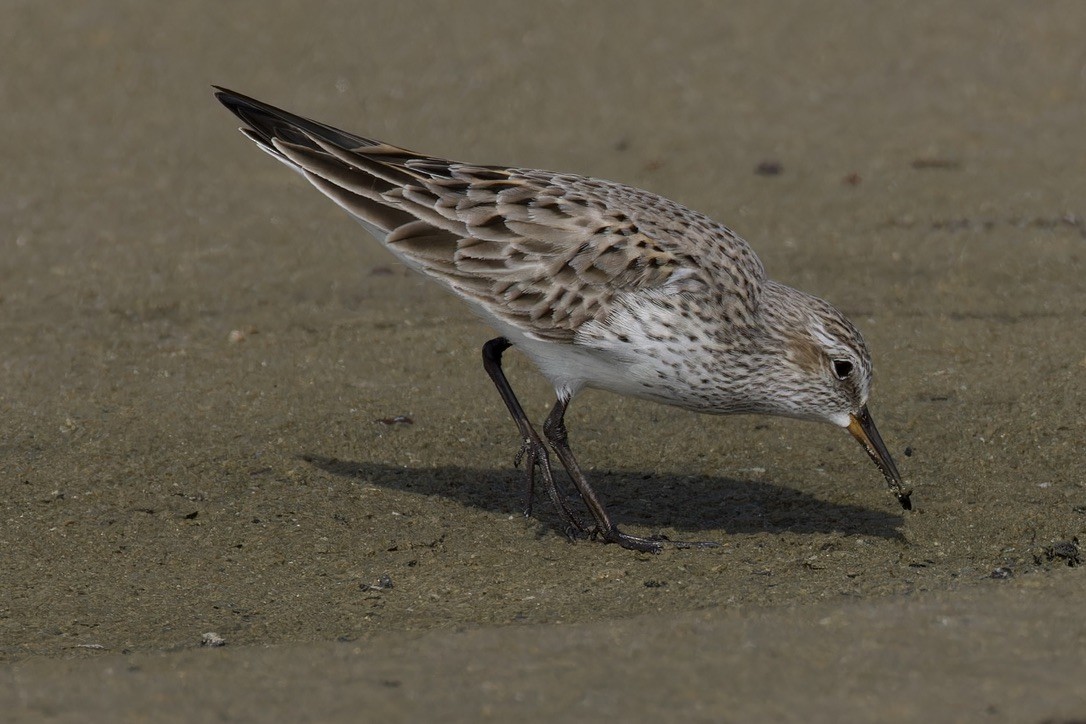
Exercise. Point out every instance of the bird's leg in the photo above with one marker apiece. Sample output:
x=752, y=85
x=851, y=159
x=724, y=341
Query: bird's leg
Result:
x=532, y=449
x=555, y=430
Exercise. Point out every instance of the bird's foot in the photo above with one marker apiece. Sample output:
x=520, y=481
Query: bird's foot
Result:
x=526, y=450
x=650, y=544
x=685, y=544
x=534, y=453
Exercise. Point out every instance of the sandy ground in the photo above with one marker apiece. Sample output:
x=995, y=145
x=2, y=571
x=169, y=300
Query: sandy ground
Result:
x=198, y=350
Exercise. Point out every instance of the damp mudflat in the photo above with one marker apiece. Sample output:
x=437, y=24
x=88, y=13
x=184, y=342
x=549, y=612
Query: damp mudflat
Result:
x=226, y=410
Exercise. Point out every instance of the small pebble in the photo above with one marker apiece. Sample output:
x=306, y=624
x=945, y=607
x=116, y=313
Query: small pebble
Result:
x=1066, y=551
x=397, y=420
x=212, y=639
x=384, y=583
x=937, y=163
x=769, y=168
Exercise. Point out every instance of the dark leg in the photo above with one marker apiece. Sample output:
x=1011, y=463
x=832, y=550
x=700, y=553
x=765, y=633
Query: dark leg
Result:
x=555, y=430
x=532, y=449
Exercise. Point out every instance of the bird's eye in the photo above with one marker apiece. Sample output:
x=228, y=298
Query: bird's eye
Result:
x=842, y=368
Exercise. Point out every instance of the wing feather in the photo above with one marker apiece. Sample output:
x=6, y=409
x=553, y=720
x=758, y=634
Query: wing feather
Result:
x=542, y=251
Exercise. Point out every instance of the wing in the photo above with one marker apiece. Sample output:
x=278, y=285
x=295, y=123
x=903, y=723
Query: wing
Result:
x=542, y=251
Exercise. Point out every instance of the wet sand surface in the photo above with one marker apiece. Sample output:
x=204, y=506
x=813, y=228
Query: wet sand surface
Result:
x=203, y=362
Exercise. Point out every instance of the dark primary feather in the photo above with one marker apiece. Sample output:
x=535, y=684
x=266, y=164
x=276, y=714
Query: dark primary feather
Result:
x=266, y=122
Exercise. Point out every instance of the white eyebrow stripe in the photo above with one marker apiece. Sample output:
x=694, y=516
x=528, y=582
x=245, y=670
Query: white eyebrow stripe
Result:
x=823, y=336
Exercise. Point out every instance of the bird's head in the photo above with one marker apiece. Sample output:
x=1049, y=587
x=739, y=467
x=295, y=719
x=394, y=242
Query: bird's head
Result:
x=827, y=370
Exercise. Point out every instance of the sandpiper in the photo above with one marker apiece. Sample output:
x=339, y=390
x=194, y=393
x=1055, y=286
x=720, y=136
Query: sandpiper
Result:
x=601, y=285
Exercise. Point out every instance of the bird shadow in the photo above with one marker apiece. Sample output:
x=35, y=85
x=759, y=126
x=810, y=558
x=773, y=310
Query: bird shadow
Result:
x=686, y=502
